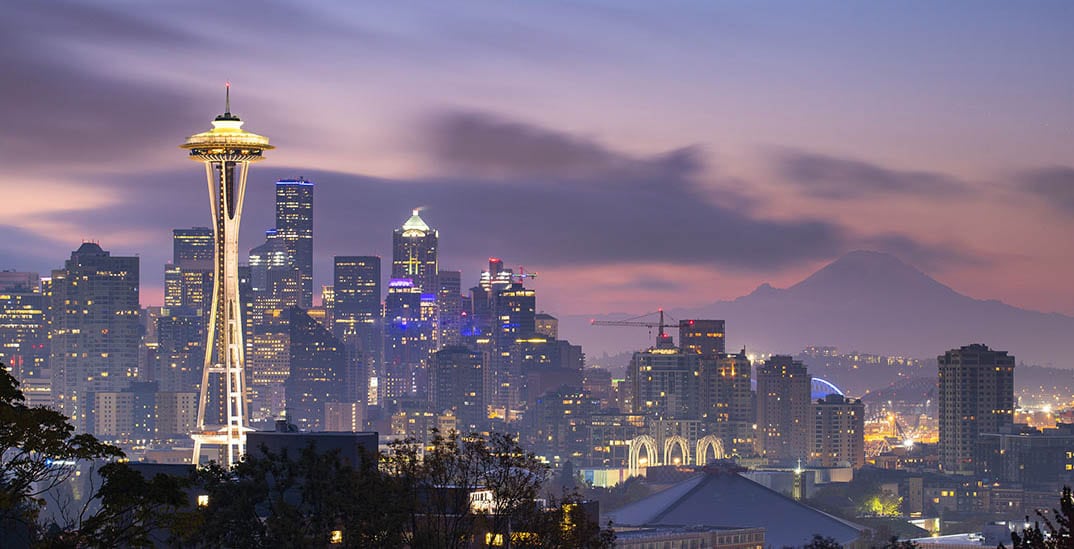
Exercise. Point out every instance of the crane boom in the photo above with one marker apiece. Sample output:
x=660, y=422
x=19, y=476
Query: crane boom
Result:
x=640, y=324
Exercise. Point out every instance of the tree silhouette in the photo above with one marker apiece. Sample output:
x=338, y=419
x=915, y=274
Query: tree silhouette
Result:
x=1057, y=532
x=38, y=452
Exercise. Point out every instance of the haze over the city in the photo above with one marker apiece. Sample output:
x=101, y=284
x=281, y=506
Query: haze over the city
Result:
x=635, y=155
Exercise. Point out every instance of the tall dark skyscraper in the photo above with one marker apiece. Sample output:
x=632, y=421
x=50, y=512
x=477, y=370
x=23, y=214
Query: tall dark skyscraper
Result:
x=294, y=226
x=976, y=395
x=95, y=330
x=449, y=299
x=319, y=372
x=414, y=253
x=457, y=383
x=784, y=410
x=356, y=313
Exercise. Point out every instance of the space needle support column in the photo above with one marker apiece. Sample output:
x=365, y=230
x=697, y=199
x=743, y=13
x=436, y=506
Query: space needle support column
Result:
x=225, y=149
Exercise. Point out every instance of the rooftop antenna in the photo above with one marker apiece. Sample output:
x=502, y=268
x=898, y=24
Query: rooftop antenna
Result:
x=227, y=97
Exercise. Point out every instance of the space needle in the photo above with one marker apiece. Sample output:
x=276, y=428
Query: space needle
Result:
x=227, y=151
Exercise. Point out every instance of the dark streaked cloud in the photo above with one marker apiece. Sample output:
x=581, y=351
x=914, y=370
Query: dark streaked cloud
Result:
x=931, y=257
x=1055, y=185
x=56, y=105
x=843, y=178
x=474, y=143
x=573, y=202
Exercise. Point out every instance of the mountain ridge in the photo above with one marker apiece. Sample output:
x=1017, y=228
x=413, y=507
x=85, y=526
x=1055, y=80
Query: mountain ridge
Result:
x=870, y=302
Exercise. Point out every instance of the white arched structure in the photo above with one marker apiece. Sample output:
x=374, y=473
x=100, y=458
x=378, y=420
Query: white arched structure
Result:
x=636, y=444
x=684, y=445
x=703, y=445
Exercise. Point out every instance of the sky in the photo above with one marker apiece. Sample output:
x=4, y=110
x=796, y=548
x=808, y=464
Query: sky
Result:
x=635, y=154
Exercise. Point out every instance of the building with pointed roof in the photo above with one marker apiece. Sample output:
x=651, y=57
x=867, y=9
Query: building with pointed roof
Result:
x=720, y=497
x=414, y=253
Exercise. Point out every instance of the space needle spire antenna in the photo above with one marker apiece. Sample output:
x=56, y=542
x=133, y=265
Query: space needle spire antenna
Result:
x=226, y=150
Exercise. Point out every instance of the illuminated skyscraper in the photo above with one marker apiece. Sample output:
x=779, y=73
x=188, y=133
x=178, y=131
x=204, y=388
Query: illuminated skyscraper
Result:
x=226, y=151
x=294, y=227
x=414, y=252
x=976, y=395
x=663, y=382
x=726, y=400
x=407, y=340
x=784, y=410
x=24, y=343
x=94, y=330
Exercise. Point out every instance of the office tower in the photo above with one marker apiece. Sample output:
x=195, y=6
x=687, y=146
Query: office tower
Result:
x=663, y=382
x=513, y=310
x=702, y=337
x=483, y=297
x=546, y=325
x=180, y=349
x=537, y=365
x=414, y=249
x=188, y=278
x=275, y=288
x=559, y=423
x=598, y=382
x=451, y=314
x=407, y=340
x=976, y=396
x=94, y=330
x=457, y=383
x=838, y=432
x=784, y=410
x=226, y=151
x=24, y=343
x=319, y=372
x=294, y=226
x=726, y=400
x=193, y=248
x=357, y=316
x=274, y=278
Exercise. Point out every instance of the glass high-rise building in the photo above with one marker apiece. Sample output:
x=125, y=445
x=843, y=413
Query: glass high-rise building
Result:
x=356, y=311
x=457, y=383
x=319, y=372
x=95, y=330
x=294, y=227
x=414, y=253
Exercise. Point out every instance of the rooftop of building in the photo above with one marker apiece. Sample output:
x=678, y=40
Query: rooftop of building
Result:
x=721, y=498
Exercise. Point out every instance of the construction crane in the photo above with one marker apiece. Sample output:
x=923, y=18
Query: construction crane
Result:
x=522, y=275
x=661, y=337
